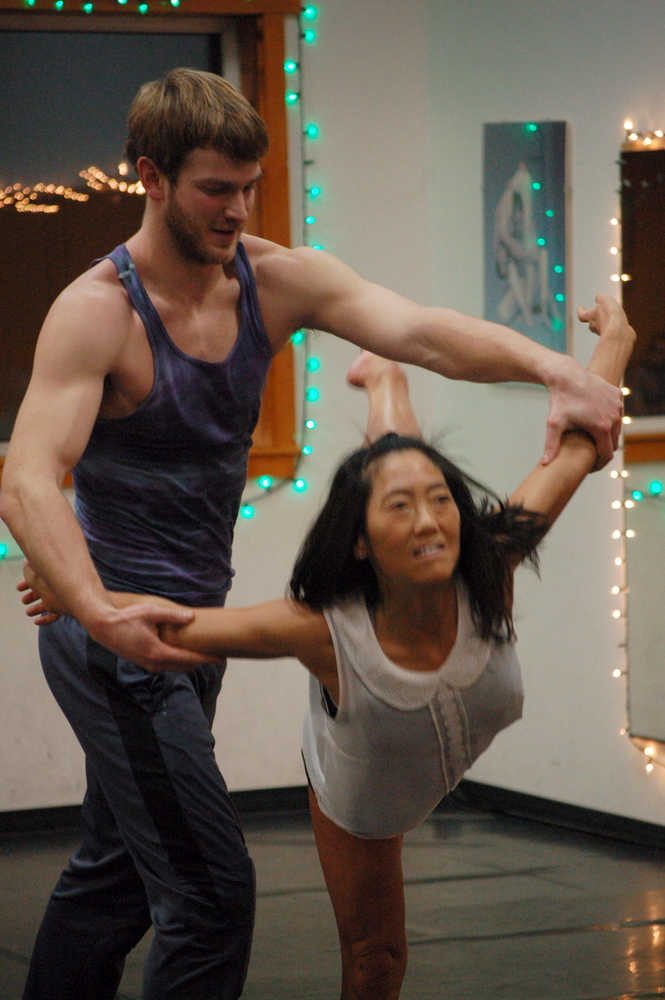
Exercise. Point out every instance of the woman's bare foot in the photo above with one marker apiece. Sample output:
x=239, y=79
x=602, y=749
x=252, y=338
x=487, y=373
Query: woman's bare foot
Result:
x=387, y=389
x=368, y=368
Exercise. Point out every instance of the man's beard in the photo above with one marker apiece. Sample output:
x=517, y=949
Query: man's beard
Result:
x=187, y=239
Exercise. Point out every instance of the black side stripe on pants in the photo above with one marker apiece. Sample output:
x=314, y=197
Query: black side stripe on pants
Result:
x=158, y=793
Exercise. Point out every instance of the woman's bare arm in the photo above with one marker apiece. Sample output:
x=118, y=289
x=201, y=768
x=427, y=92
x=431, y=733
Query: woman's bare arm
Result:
x=548, y=488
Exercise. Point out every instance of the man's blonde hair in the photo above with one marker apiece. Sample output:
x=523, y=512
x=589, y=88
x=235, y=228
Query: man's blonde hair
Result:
x=190, y=109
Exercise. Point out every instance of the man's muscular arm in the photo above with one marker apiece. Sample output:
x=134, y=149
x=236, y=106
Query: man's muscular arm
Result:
x=318, y=291
x=51, y=431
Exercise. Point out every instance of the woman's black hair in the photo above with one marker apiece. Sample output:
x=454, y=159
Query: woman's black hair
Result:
x=493, y=536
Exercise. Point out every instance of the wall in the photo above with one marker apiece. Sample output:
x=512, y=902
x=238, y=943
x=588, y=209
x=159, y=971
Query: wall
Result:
x=519, y=61
x=401, y=93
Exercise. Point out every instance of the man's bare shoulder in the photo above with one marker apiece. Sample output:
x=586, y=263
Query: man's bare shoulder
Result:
x=96, y=288
x=94, y=297
x=280, y=267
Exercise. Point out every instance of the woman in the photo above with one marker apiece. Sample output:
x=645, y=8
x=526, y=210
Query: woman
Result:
x=401, y=609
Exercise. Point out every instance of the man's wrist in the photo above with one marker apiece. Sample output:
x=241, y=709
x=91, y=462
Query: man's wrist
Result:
x=560, y=371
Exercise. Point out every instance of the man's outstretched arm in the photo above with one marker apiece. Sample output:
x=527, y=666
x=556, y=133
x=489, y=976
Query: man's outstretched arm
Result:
x=332, y=297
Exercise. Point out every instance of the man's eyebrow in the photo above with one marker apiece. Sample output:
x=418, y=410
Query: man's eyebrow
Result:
x=222, y=185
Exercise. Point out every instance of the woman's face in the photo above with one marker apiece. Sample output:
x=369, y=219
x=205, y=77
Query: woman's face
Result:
x=412, y=522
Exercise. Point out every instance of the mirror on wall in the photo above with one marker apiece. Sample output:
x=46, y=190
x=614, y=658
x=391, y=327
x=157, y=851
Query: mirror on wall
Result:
x=642, y=166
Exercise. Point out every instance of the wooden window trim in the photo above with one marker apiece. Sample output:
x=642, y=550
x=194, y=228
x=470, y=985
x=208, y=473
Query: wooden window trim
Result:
x=644, y=448
x=264, y=19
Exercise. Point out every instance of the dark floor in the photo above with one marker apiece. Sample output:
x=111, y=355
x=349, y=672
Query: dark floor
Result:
x=496, y=907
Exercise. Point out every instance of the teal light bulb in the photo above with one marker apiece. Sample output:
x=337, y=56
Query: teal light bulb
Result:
x=87, y=8
x=312, y=395
x=307, y=450
x=309, y=36
x=59, y=4
x=549, y=212
x=310, y=424
x=310, y=12
x=314, y=191
x=313, y=364
x=531, y=127
x=655, y=487
x=558, y=268
x=300, y=485
x=143, y=8
x=4, y=550
x=247, y=511
x=637, y=495
x=536, y=186
x=291, y=97
x=312, y=130
x=310, y=220
x=290, y=66
x=541, y=241
x=560, y=297
x=298, y=337
x=265, y=482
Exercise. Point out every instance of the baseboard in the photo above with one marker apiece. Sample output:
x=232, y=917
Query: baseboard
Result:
x=474, y=794
x=255, y=802
x=468, y=794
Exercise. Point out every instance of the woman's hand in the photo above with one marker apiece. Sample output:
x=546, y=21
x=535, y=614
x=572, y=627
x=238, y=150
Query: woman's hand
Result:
x=41, y=603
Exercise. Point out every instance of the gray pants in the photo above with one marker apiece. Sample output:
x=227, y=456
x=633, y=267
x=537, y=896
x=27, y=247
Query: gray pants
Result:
x=162, y=844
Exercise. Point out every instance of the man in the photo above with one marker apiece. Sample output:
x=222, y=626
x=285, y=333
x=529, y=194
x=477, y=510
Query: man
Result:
x=156, y=426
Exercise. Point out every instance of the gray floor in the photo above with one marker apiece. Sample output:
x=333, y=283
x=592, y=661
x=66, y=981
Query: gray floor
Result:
x=496, y=907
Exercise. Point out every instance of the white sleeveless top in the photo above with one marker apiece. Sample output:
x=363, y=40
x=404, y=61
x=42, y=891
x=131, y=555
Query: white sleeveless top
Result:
x=402, y=739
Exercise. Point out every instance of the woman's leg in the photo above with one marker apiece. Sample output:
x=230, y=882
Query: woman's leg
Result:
x=366, y=886
x=387, y=389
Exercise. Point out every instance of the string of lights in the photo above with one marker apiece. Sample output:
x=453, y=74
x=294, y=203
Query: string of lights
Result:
x=142, y=7
x=649, y=749
x=308, y=363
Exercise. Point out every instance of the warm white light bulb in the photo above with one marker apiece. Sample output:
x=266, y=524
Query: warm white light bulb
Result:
x=628, y=124
x=614, y=221
x=615, y=589
x=616, y=673
x=615, y=277
x=614, y=251
x=649, y=751
x=616, y=533
x=616, y=505
x=630, y=533
x=629, y=504
x=616, y=613
x=618, y=561
x=649, y=768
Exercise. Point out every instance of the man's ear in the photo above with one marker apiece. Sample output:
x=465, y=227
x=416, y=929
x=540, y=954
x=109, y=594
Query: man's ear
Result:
x=360, y=548
x=151, y=177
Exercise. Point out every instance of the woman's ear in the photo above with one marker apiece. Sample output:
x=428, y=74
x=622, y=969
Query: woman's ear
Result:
x=360, y=548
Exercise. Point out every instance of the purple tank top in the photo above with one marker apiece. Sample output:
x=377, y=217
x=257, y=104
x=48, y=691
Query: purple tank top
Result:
x=158, y=491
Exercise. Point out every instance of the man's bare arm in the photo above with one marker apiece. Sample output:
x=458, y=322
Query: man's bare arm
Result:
x=51, y=431
x=320, y=292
